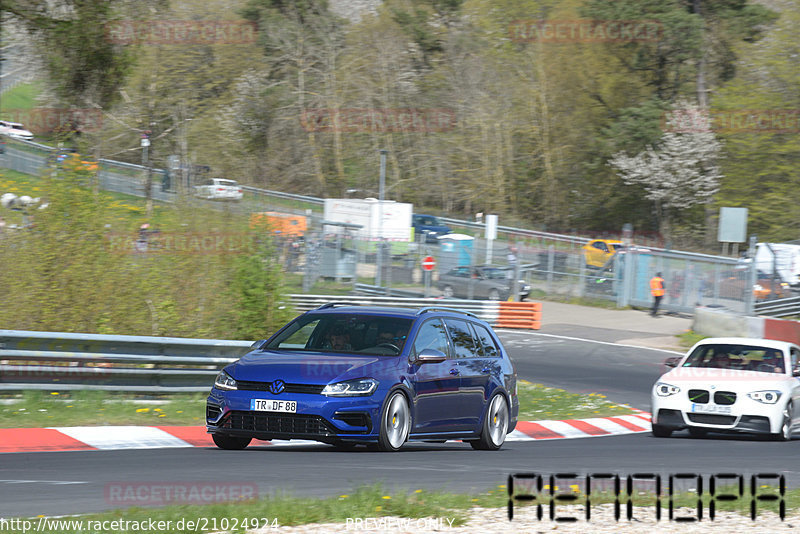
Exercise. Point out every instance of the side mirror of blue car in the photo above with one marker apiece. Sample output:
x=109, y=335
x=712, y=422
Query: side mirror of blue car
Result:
x=431, y=356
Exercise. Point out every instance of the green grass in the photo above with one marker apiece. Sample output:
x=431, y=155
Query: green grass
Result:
x=689, y=338
x=22, y=96
x=35, y=409
x=538, y=402
x=373, y=502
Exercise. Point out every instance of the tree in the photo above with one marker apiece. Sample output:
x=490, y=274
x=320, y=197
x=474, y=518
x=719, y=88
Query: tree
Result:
x=681, y=171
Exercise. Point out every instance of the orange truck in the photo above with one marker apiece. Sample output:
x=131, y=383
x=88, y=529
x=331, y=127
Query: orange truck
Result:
x=284, y=224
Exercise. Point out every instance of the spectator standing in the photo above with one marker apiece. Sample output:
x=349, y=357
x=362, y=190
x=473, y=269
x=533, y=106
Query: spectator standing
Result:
x=657, y=290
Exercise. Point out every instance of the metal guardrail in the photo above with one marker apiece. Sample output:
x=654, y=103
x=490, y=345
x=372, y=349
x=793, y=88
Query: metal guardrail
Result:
x=378, y=291
x=778, y=308
x=487, y=310
x=65, y=361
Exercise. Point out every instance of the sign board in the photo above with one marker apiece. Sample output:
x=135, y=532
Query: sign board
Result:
x=491, y=227
x=145, y=141
x=428, y=263
x=732, y=225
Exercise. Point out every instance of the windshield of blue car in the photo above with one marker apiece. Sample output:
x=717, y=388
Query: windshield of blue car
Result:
x=338, y=333
x=739, y=357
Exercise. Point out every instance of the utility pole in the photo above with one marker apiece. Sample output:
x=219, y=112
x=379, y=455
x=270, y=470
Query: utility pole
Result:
x=379, y=259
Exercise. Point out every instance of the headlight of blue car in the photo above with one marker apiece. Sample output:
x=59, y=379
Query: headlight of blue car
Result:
x=361, y=387
x=224, y=381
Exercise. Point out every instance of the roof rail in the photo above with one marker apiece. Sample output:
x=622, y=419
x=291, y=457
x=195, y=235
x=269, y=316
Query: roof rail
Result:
x=335, y=304
x=443, y=308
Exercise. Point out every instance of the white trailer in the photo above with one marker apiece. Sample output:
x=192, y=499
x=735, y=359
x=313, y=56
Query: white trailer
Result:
x=783, y=258
x=394, y=226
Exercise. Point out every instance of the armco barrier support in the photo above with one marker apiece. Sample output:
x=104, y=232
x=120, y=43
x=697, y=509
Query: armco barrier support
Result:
x=519, y=315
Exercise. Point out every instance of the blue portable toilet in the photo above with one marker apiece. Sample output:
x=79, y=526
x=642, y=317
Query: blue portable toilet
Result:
x=456, y=251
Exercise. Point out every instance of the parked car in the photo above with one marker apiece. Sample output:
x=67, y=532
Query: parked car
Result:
x=599, y=251
x=349, y=375
x=481, y=282
x=2, y=144
x=730, y=385
x=219, y=189
x=429, y=226
x=15, y=130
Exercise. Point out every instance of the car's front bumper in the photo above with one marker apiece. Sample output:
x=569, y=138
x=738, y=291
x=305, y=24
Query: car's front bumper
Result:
x=318, y=417
x=744, y=416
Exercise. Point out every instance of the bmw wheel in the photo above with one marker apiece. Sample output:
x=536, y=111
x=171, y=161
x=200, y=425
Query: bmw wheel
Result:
x=494, y=294
x=661, y=431
x=231, y=443
x=448, y=292
x=495, y=426
x=395, y=423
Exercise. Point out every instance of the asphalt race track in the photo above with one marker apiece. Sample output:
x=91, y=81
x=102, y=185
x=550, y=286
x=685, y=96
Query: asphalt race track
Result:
x=77, y=482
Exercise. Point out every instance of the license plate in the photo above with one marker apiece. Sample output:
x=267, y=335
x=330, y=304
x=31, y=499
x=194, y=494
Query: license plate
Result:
x=271, y=405
x=710, y=408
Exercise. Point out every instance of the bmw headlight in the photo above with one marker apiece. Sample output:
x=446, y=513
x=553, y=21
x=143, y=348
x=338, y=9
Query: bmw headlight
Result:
x=361, y=387
x=665, y=390
x=224, y=381
x=769, y=396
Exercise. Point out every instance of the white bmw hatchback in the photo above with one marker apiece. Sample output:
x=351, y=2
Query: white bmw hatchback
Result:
x=730, y=385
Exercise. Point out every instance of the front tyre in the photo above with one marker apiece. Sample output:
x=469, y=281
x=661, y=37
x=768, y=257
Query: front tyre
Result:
x=494, y=427
x=395, y=423
x=661, y=431
x=230, y=443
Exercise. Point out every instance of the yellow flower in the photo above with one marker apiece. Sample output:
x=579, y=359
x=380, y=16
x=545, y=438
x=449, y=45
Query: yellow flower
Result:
x=386, y=497
x=54, y=393
x=179, y=411
x=502, y=486
x=157, y=410
x=343, y=496
x=418, y=491
x=162, y=415
x=378, y=508
x=70, y=406
x=141, y=410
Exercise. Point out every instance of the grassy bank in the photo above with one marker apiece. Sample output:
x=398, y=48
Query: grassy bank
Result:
x=33, y=409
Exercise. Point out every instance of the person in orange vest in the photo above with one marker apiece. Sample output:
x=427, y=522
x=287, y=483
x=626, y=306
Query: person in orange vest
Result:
x=657, y=290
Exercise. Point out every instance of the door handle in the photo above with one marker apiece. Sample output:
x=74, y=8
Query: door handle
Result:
x=454, y=372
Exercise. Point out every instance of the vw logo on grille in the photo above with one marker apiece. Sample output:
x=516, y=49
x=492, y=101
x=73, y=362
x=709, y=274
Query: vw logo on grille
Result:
x=277, y=386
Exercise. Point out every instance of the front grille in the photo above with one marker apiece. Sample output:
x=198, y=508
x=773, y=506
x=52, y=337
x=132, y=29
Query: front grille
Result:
x=711, y=419
x=725, y=398
x=313, y=389
x=295, y=424
x=699, y=396
x=212, y=412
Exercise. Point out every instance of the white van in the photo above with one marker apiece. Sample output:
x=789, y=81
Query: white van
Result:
x=783, y=257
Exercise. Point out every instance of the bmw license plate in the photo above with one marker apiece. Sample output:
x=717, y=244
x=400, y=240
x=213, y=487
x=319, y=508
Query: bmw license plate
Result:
x=271, y=405
x=710, y=408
